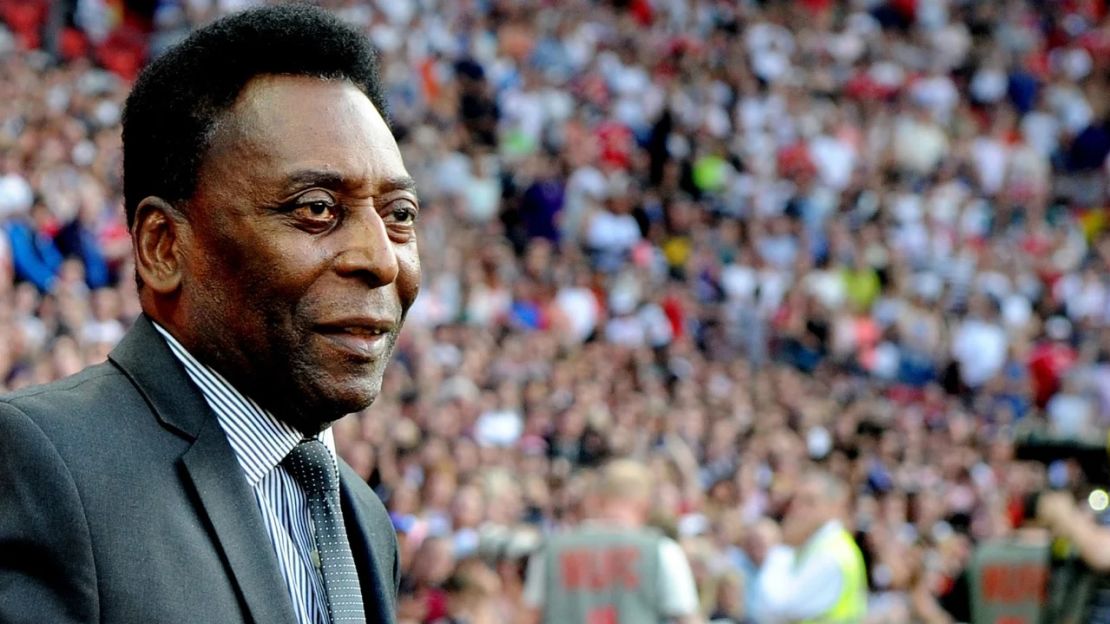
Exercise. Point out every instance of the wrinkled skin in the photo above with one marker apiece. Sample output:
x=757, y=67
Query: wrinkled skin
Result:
x=299, y=250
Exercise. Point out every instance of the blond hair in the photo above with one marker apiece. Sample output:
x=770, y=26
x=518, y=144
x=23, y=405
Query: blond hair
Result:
x=625, y=479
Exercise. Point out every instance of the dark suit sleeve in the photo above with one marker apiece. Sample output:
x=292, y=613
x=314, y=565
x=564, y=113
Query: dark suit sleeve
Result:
x=46, y=564
x=396, y=567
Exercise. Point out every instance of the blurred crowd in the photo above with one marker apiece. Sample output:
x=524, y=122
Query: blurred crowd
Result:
x=730, y=238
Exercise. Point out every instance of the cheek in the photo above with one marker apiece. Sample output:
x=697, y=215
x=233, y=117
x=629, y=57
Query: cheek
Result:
x=408, y=275
x=279, y=274
x=212, y=284
x=260, y=301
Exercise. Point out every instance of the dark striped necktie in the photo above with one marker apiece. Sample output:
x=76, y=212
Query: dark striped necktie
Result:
x=311, y=464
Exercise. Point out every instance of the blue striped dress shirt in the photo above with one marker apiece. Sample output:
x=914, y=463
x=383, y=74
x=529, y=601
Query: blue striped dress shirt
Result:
x=260, y=441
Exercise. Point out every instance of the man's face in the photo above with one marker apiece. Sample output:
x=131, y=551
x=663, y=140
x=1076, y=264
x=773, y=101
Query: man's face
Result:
x=300, y=254
x=809, y=509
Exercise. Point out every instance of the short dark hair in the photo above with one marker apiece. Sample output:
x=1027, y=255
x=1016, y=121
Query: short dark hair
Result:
x=170, y=115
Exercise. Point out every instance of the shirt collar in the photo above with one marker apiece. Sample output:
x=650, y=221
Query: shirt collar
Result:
x=260, y=441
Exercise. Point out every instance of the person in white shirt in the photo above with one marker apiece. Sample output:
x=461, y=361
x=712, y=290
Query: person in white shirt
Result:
x=817, y=574
x=979, y=343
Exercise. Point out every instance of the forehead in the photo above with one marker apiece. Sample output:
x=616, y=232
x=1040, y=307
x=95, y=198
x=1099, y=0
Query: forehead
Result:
x=810, y=491
x=282, y=124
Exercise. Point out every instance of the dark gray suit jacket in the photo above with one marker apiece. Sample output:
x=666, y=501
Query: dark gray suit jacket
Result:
x=122, y=501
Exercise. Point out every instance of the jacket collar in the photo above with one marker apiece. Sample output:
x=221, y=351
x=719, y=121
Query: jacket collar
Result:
x=145, y=358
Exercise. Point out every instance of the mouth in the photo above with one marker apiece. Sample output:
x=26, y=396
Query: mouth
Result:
x=365, y=338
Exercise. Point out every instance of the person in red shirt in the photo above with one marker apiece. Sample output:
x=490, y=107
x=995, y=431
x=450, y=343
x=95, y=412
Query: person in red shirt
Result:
x=1050, y=359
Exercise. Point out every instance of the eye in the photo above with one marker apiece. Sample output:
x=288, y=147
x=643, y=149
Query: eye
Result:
x=402, y=212
x=316, y=210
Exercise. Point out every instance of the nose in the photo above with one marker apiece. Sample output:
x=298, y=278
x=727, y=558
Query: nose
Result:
x=367, y=251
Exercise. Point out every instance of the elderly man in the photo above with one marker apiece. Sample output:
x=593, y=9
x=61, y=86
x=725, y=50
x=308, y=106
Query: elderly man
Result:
x=192, y=477
x=817, y=574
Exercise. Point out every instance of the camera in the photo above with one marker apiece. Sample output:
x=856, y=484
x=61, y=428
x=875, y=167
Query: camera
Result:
x=1092, y=460
x=1074, y=593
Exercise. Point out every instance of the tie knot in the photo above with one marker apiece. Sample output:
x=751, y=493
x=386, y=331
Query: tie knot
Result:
x=312, y=466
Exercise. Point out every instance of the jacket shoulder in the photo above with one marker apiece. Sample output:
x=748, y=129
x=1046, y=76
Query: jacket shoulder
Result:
x=84, y=406
x=73, y=390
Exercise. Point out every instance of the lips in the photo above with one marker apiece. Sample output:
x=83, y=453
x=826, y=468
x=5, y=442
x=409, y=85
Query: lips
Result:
x=365, y=337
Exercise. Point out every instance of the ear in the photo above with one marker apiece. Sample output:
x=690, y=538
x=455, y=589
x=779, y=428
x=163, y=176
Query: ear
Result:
x=160, y=234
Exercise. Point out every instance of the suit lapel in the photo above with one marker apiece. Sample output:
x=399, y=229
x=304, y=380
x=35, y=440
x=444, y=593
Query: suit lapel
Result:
x=233, y=512
x=211, y=469
x=370, y=545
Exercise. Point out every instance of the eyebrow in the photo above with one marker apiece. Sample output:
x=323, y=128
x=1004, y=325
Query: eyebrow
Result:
x=326, y=178
x=397, y=183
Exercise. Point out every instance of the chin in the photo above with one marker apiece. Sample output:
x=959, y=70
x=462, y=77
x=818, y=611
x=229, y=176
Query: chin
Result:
x=340, y=398
x=312, y=418
x=328, y=393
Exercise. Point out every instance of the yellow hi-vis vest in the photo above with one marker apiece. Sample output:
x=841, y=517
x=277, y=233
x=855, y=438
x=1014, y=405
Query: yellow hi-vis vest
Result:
x=851, y=606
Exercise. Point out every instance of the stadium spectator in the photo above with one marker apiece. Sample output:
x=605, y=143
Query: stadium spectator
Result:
x=817, y=573
x=612, y=568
